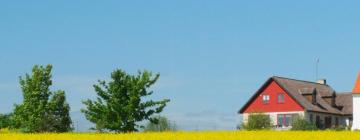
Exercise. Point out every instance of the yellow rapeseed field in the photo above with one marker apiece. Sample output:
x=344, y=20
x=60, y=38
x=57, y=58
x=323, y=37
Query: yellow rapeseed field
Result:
x=210, y=135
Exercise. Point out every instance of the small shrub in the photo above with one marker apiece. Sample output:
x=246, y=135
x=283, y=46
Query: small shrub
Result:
x=339, y=128
x=5, y=120
x=348, y=127
x=299, y=123
x=163, y=124
x=257, y=121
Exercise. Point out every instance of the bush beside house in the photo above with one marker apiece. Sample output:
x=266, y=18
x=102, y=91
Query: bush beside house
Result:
x=257, y=121
x=300, y=123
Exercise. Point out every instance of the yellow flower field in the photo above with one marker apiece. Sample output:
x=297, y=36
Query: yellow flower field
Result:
x=214, y=135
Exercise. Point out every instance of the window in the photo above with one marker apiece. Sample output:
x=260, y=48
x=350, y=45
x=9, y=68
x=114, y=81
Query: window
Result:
x=328, y=121
x=318, y=121
x=311, y=118
x=285, y=119
x=266, y=99
x=280, y=120
x=281, y=98
x=336, y=121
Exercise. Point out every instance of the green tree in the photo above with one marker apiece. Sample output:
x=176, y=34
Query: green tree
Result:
x=120, y=105
x=257, y=121
x=42, y=110
x=5, y=120
x=163, y=125
x=60, y=112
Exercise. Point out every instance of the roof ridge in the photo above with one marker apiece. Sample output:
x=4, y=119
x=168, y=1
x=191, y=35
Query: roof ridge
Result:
x=300, y=80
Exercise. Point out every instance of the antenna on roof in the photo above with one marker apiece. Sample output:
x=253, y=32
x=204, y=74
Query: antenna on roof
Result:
x=317, y=68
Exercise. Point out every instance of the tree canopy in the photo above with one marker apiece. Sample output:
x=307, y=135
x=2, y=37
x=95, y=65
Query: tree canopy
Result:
x=42, y=110
x=119, y=105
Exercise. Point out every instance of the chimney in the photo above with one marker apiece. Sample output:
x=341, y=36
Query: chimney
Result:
x=321, y=81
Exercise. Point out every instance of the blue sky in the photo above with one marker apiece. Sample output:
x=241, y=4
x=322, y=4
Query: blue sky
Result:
x=212, y=55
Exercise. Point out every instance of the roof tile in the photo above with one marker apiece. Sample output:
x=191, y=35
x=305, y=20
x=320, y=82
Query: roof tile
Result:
x=295, y=88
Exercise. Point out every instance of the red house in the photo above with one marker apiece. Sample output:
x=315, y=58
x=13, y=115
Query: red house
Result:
x=282, y=99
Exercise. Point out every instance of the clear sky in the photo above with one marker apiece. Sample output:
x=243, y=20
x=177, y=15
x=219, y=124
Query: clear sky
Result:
x=212, y=55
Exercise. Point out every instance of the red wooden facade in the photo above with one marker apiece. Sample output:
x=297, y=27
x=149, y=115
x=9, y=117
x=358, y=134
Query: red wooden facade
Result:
x=272, y=90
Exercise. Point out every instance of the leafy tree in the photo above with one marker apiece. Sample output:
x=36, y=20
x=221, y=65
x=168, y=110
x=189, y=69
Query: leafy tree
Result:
x=60, y=112
x=257, y=121
x=120, y=106
x=163, y=125
x=42, y=110
x=4, y=120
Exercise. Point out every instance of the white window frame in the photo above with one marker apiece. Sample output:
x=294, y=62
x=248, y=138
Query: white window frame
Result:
x=266, y=99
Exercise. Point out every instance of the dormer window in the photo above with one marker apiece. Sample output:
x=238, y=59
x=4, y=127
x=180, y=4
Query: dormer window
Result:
x=314, y=97
x=266, y=99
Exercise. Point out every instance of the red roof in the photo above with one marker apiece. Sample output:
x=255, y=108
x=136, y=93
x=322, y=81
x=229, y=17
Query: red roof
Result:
x=357, y=85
